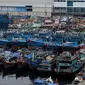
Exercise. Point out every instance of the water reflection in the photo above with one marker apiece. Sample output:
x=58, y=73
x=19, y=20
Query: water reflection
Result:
x=26, y=76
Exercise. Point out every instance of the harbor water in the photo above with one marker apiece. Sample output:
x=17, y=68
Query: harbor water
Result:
x=23, y=76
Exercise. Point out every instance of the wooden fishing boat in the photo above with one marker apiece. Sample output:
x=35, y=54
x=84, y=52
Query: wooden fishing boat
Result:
x=67, y=64
x=18, y=42
x=48, y=63
x=35, y=42
x=11, y=60
x=37, y=58
x=70, y=46
x=51, y=44
x=77, y=38
x=81, y=54
x=23, y=59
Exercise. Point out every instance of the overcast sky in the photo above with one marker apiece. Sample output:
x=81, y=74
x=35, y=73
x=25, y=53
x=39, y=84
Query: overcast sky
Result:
x=26, y=1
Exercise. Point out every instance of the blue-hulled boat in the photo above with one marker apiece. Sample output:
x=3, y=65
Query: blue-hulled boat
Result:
x=37, y=58
x=75, y=38
x=18, y=42
x=70, y=46
x=10, y=59
x=24, y=59
x=3, y=41
x=35, y=42
x=51, y=44
x=43, y=81
x=42, y=43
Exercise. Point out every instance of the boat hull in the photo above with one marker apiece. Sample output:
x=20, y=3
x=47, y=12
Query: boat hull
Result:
x=35, y=43
x=68, y=48
x=73, y=72
x=9, y=65
x=21, y=64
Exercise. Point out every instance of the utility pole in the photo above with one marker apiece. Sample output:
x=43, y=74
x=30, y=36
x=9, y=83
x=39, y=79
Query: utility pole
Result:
x=45, y=11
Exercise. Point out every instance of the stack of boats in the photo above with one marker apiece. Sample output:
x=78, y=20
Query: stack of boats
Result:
x=42, y=51
x=68, y=63
x=43, y=60
x=43, y=39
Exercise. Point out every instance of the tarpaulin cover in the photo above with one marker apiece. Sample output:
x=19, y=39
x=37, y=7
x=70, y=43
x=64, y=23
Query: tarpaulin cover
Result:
x=58, y=43
x=39, y=81
x=51, y=84
x=29, y=56
x=73, y=44
x=15, y=54
x=38, y=42
x=22, y=40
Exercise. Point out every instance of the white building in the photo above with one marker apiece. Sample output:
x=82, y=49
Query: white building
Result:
x=75, y=7
x=30, y=7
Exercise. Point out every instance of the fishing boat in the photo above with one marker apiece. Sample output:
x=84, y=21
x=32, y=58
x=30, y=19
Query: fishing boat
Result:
x=70, y=46
x=35, y=42
x=58, y=37
x=42, y=43
x=76, y=38
x=9, y=59
x=36, y=59
x=18, y=42
x=21, y=61
x=1, y=59
x=24, y=58
x=48, y=63
x=67, y=64
x=38, y=56
x=50, y=45
x=44, y=81
x=81, y=54
x=73, y=42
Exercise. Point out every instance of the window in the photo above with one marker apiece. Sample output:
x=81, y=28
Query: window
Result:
x=78, y=0
x=20, y=9
x=69, y=9
x=59, y=0
x=82, y=9
x=29, y=8
x=76, y=10
x=70, y=3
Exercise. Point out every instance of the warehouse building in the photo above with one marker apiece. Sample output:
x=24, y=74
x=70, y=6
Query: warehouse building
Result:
x=69, y=7
x=27, y=7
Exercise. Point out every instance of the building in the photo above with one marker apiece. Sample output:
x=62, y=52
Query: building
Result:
x=4, y=21
x=27, y=7
x=69, y=7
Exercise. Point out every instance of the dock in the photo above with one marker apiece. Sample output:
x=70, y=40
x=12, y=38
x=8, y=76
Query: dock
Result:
x=82, y=83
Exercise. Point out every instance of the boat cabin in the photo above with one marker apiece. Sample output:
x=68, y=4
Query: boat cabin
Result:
x=66, y=63
x=48, y=63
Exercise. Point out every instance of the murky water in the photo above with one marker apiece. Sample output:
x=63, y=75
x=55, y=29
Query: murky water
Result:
x=23, y=76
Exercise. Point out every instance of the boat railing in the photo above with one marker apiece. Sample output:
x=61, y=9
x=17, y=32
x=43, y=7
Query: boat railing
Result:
x=66, y=58
x=65, y=70
x=64, y=64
